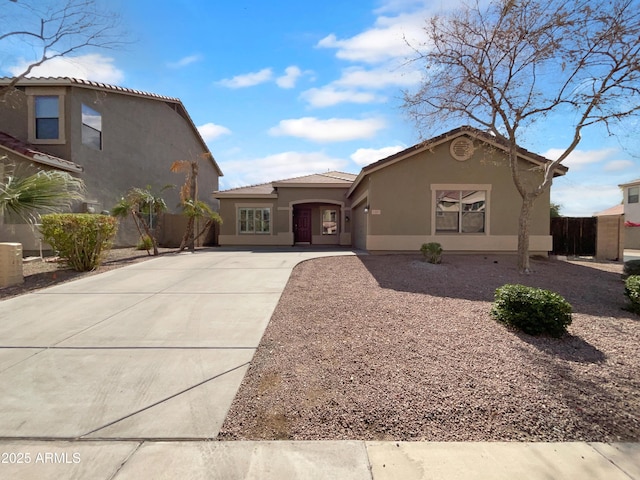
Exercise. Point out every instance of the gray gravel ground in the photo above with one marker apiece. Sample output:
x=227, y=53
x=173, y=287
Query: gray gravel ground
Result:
x=390, y=347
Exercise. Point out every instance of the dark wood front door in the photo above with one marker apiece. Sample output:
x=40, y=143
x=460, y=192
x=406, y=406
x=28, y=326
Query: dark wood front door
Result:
x=302, y=225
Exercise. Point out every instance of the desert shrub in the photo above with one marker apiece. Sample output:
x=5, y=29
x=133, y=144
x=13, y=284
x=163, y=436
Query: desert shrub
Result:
x=145, y=243
x=631, y=267
x=632, y=291
x=531, y=310
x=432, y=252
x=80, y=239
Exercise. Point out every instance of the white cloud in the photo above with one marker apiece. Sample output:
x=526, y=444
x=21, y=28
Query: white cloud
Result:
x=248, y=79
x=584, y=200
x=289, y=79
x=279, y=166
x=387, y=39
x=328, y=96
x=92, y=66
x=211, y=131
x=377, y=78
x=331, y=130
x=183, y=62
x=579, y=158
x=618, y=165
x=365, y=156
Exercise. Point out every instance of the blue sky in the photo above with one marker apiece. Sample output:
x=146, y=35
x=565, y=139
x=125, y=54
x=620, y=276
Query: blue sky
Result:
x=286, y=88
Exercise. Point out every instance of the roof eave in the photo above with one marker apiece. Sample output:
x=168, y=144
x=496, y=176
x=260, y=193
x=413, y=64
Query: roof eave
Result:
x=244, y=195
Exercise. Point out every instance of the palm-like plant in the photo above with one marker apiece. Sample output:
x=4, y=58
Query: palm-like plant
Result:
x=140, y=202
x=193, y=208
x=27, y=195
x=197, y=210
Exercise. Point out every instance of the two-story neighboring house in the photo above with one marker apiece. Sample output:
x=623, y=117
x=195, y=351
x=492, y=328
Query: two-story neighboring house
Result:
x=631, y=202
x=113, y=138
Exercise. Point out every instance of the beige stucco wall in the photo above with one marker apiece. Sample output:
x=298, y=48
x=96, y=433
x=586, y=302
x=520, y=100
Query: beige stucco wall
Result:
x=610, y=237
x=317, y=199
x=141, y=139
x=632, y=237
x=400, y=197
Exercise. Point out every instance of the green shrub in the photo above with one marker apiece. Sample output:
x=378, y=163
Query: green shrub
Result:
x=631, y=267
x=145, y=243
x=632, y=291
x=81, y=239
x=432, y=252
x=531, y=310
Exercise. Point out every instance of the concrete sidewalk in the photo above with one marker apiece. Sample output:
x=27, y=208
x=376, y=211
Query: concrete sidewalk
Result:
x=321, y=460
x=129, y=374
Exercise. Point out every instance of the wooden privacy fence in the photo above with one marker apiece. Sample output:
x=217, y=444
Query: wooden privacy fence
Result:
x=574, y=235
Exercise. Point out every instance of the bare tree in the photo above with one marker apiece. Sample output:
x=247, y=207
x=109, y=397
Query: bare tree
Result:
x=54, y=28
x=510, y=64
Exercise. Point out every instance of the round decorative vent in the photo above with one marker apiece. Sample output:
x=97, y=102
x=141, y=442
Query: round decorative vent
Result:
x=461, y=148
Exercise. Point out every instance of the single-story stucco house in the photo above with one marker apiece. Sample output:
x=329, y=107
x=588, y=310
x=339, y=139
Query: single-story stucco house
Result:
x=455, y=189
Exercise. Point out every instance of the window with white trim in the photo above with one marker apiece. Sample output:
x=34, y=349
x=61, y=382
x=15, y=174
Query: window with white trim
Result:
x=47, y=117
x=91, y=127
x=254, y=220
x=633, y=195
x=329, y=222
x=460, y=211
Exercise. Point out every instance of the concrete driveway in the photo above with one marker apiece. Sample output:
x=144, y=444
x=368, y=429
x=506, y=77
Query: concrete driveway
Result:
x=156, y=350
x=129, y=374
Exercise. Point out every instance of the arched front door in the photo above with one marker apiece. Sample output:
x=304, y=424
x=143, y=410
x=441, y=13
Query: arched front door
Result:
x=302, y=225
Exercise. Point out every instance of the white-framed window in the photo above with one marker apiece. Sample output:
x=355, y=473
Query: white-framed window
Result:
x=91, y=127
x=254, y=220
x=46, y=113
x=460, y=211
x=329, y=222
x=633, y=195
x=47, y=117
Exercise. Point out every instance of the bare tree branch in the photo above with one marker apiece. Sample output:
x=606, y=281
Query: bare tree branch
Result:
x=513, y=63
x=54, y=28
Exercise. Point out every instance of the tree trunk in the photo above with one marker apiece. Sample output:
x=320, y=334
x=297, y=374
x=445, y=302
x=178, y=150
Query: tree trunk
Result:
x=187, y=239
x=523, y=233
x=148, y=232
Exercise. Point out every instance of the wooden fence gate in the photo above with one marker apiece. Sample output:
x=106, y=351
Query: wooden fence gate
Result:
x=575, y=236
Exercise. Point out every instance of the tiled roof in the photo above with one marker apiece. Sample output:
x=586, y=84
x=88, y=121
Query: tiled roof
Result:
x=631, y=183
x=328, y=178
x=485, y=136
x=69, y=81
x=321, y=178
x=456, y=132
x=28, y=150
x=61, y=81
x=617, y=210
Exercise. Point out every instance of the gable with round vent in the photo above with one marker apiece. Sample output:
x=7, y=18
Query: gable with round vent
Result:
x=461, y=148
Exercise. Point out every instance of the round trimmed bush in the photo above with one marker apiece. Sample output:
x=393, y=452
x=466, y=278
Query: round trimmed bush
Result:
x=532, y=310
x=631, y=267
x=632, y=291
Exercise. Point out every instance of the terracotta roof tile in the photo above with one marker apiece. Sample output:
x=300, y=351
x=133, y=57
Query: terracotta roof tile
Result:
x=315, y=178
x=27, y=150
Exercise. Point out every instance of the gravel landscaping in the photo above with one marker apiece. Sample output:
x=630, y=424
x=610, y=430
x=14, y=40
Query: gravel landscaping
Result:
x=392, y=348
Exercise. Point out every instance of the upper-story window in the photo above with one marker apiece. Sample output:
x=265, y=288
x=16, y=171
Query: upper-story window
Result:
x=91, y=127
x=47, y=116
x=634, y=195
